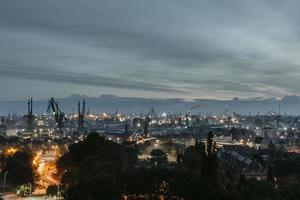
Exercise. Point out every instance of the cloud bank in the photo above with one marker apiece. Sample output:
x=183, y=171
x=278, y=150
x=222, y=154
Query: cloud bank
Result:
x=188, y=49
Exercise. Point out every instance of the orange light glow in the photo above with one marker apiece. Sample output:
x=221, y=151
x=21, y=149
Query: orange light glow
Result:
x=11, y=151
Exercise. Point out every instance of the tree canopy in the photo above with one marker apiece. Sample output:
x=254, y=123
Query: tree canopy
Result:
x=97, y=168
x=19, y=168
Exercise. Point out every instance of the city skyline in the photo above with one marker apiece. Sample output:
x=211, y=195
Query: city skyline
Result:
x=159, y=99
x=160, y=49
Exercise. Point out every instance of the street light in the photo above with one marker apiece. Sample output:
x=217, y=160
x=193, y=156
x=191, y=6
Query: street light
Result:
x=4, y=181
x=58, y=192
x=30, y=189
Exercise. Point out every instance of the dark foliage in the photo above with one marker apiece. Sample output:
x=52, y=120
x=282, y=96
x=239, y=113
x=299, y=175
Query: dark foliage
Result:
x=19, y=169
x=100, y=169
x=158, y=158
x=52, y=190
x=92, y=168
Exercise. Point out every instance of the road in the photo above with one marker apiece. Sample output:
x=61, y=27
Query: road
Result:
x=10, y=196
x=46, y=169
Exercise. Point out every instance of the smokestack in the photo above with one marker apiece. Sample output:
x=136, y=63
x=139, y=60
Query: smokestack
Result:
x=279, y=108
x=28, y=107
x=187, y=120
x=126, y=128
x=83, y=107
x=31, y=106
x=78, y=107
x=146, y=128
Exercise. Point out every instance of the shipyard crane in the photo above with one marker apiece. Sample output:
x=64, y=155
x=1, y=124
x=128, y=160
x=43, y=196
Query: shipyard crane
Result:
x=151, y=115
x=58, y=115
x=30, y=116
x=187, y=119
x=81, y=114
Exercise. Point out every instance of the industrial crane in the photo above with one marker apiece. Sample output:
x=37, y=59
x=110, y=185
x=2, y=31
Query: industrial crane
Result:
x=30, y=116
x=58, y=115
x=151, y=114
x=81, y=114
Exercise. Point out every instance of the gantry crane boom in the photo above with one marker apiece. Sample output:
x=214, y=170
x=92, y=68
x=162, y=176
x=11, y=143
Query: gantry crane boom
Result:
x=58, y=115
x=30, y=116
x=81, y=115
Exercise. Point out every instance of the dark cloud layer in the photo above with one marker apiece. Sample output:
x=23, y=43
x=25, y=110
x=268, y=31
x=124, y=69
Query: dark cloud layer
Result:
x=189, y=49
x=81, y=79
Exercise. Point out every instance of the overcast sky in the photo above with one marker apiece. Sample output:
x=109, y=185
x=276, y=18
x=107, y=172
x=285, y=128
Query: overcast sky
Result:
x=149, y=48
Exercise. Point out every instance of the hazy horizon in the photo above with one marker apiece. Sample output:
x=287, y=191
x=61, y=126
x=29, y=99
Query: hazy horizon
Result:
x=151, y=97
x=289, y=105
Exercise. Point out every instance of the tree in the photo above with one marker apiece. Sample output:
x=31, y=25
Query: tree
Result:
x=209, y=143
x=20, y=169
x=209, y=164
x=179, y=158
x=234, y=133
x=93, y=168
x=158, y=157
x=52, y=190
x=192, y=158
x=24, y=190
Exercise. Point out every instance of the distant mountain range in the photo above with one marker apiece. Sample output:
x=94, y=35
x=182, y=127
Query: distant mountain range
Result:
x=110, y=103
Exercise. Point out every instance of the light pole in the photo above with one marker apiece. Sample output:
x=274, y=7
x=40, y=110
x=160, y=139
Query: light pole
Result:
x=30, y=189
x=58, y=192
x=4, y=181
